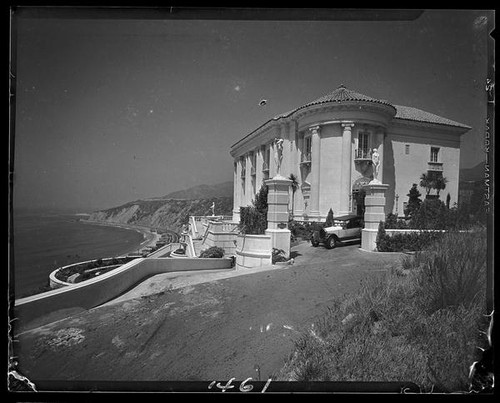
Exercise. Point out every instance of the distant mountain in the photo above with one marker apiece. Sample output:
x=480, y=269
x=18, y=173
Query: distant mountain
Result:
x=472, y=174
x=172, y=210
x=166, y=214
x=202, y=192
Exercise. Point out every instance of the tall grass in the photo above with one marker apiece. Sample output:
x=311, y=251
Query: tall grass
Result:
x=421, y=327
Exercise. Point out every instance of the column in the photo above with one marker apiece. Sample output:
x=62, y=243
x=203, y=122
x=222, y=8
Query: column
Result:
x=249, y=196
x=241, y=182
x=294, y=164
x=345, y=170
x=380, y=148
x=258, y=168
x=236, y=193
x=315, y=171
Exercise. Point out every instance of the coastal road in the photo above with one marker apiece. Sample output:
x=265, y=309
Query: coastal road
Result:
x=213, y=330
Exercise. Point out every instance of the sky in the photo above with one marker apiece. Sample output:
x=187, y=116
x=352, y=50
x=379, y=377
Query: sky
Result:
x=113, y=110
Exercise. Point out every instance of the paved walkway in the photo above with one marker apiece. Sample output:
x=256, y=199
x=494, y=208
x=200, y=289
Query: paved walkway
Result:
x=201, y=326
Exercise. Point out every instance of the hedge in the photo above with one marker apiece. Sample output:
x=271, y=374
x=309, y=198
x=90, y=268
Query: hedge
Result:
x=413, y=241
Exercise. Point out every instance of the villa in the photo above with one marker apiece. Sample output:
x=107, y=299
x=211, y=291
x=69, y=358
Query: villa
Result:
x=328, y=145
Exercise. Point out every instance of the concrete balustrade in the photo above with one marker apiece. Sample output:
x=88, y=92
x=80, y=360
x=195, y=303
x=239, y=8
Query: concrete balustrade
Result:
x=223, y=235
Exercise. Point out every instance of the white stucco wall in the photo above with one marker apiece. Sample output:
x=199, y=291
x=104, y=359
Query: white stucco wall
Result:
x=407, y=168
x=398, y=170
x=331, y=160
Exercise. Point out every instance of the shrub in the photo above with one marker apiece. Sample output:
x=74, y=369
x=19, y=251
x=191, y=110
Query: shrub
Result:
x=432, y=214
x=393, y=222
x=212, y=252
x=398, y=328
x=278, y=255
x=414, y=201
x=253, y=219
x=302, y=230
x=453, y=270
x=413, y=241
x=329, y=219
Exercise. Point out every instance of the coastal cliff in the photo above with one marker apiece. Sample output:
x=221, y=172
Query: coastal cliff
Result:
x=168, y=212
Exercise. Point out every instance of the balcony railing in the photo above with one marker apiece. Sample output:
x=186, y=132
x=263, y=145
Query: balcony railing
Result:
x=305, y=158
x=435, y=166
x=362, y=154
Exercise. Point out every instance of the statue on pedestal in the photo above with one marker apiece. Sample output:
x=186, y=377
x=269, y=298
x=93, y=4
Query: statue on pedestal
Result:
x=376, y=166
x=278, y=154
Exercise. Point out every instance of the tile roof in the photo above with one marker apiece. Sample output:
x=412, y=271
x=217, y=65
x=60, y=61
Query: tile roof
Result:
x=343, y=94
x=410, y=113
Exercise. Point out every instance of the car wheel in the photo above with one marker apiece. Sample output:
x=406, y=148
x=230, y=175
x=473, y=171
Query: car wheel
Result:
x=331, y=243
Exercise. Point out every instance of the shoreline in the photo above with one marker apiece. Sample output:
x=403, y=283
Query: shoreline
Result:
x=149, y=238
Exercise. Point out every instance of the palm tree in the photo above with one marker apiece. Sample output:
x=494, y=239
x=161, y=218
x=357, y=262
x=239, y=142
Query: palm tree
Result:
x=294, y=185
x=427, y=182
x=440, y=184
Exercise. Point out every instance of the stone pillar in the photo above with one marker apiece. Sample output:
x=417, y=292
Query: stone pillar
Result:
x=277, y=213
x=345, y=170
x=236, y=193
x=374, y=213
x=315, y=171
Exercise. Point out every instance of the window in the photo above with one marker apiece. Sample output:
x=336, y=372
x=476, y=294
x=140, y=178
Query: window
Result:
x=363, y=145
x=407, y=149
x=434, y=154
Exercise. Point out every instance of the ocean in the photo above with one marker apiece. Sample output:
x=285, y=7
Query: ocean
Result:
x=44, y=242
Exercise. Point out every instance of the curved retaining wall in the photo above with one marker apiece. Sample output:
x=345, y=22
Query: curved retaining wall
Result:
x=96, y=291
x=253, y=251
x=56, y=283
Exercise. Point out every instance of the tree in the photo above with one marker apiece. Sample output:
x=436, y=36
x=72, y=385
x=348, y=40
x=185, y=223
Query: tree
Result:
x=432, y=214
x=414, y=201
x=294, y=185
x=329, y=219
x=253, y=219
x=260, y=201
x=427, y=182
x=440, y=184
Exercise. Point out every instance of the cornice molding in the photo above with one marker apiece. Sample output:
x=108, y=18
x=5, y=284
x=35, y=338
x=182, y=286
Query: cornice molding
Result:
x=436, y=127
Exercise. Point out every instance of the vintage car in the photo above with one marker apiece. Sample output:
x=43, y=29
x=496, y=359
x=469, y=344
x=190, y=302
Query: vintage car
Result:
x=345, y=228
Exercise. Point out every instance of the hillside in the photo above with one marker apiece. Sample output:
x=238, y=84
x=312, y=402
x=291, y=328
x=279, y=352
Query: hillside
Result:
x=224, y=189
x=168, y=214
x=472, y=174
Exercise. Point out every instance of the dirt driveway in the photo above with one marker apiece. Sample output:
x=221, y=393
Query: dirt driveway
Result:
x=214, y=330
